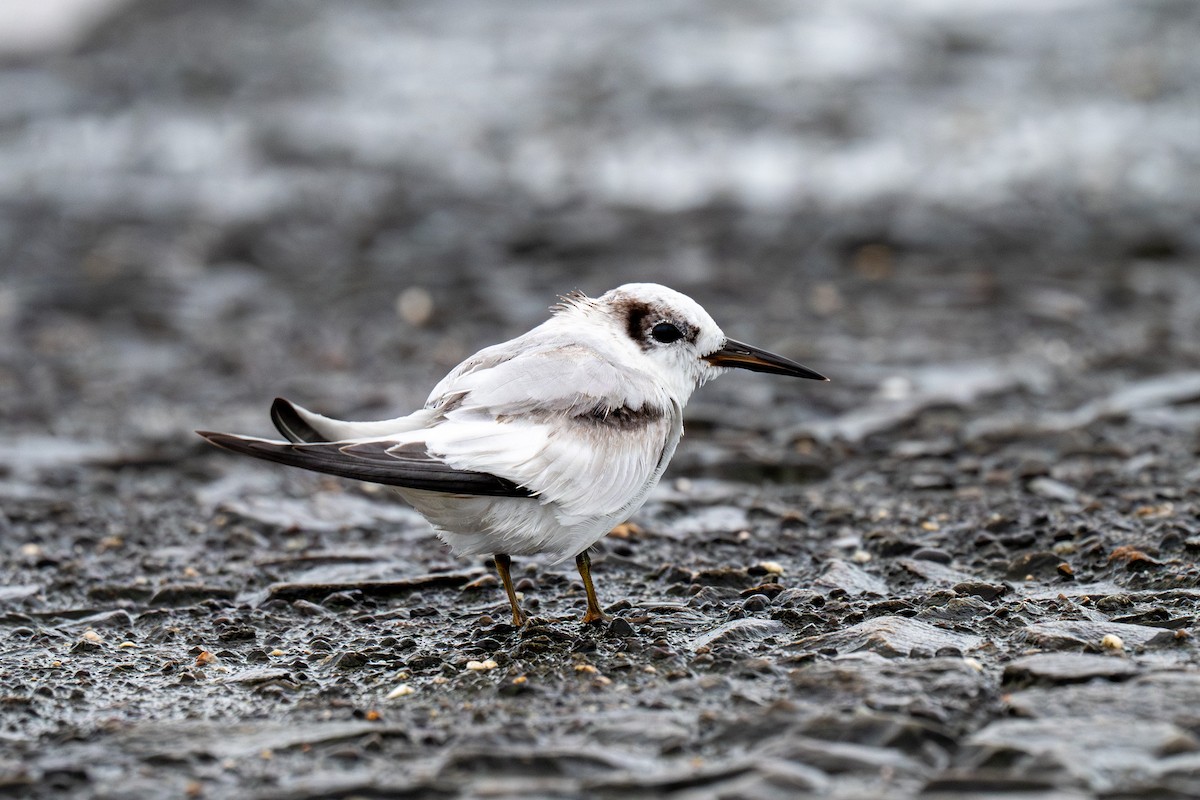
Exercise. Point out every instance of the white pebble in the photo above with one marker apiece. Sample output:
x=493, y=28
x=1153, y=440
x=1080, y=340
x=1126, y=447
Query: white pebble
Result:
x=403, y=690
x=415, y=306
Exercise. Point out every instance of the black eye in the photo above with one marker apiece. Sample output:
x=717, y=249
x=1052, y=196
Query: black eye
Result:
x=666, y=333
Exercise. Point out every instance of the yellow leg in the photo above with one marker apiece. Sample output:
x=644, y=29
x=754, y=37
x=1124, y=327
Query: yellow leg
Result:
x=503, y=566
x=584, y=563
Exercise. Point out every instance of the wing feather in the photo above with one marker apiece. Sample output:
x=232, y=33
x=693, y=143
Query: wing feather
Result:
x=536, y=411
x=381, y=461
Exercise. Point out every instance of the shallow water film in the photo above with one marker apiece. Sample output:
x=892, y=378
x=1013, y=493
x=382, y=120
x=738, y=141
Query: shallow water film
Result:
x=966, y=567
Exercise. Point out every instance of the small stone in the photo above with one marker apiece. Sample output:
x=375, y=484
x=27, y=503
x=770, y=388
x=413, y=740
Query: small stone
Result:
x=771, y=567
x=984, y=591
x=1085, y=634
x=308, y=608
x=860, y=557
x=1053, y=490
x=931, y=554
x=756, y=602
x=414, y=305
x=485, y=581
x=739, y=632
x=1040, y=564
x=626, y=530
x=350, y=660
x=1058, y=668
x=620, y=627
x=205, y=658
x=851, y=579
x=1135, y=560
x=890, y=636
x=481, y=666
x=91, y=636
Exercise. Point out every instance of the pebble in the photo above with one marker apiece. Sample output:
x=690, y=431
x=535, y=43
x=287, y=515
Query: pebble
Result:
x=1068, y=668
x=620, y=627
x=980, y=589
x=1039, y=564
x=756, y=602
x=851, y=579
x=414, y=305
x=931, y=554
x=739, y=632
x=889, y=636
x=1084, y=634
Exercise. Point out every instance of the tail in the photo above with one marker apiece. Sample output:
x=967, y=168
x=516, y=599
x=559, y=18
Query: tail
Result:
x=301, y=426
x=289, y=422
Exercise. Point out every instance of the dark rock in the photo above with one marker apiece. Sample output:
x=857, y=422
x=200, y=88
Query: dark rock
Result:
x=891, y=637
x=188, y=594
x=1073, y=634
x=739, y=632
x=931, y=554
x=723, y=577
x=984, y=591
x=851, y=579
x=350, y=660
x=1096, y=751
x=1041, y=564
x=756, y=602
x=1068, y=668
x=620, y=627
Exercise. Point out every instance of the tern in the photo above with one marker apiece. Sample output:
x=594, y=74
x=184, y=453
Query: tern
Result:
x=542, y=444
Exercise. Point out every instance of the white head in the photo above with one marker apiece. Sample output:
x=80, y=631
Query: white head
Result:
x=672, y=336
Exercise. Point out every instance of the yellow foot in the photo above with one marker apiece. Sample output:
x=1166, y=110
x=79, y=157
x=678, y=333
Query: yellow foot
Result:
x=594, y=616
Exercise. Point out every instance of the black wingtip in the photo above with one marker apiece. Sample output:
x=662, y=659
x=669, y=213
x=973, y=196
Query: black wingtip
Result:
x=288, y=422
x=222, y=440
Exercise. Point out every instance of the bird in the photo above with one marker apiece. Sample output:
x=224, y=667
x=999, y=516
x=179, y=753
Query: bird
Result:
x=541, y=444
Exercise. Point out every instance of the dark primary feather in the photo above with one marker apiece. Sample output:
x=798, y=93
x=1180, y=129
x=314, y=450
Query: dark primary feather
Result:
x=409, y=466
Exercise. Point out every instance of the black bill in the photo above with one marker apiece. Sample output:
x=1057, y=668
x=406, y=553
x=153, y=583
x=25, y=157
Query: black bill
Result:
x=744, y=356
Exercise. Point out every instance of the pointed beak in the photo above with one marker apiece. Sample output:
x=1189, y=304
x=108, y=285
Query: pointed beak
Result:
x=744, y=356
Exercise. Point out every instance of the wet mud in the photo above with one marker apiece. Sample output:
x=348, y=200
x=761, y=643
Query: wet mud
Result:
x=966, y=567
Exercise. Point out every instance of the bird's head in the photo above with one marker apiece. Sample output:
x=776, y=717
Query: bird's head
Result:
x=670, y=334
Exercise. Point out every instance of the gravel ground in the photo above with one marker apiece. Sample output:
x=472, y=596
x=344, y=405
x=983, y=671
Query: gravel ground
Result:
x=964, y=568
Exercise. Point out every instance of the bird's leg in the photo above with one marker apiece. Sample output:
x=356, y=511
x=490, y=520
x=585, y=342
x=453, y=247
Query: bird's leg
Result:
x=503, y=565
x=584, y=563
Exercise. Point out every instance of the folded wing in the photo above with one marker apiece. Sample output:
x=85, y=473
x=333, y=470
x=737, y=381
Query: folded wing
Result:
x=408, y=465
x=560, y=419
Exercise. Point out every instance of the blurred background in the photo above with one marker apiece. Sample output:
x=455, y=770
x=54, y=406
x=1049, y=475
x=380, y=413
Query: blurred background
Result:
x=979, y=217
x=203, y=205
